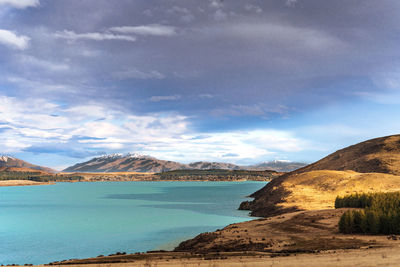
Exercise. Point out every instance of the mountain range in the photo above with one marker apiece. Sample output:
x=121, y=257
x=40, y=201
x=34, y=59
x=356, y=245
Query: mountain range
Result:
x=143, y=163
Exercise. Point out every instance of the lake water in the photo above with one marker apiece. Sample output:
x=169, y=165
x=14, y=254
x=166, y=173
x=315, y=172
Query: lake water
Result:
x=41, y=224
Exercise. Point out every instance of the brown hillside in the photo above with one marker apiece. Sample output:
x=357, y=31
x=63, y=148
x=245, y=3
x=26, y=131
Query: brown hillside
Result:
x=7, y=161
x=316, y=190
x=21, y=169
x=376, y=155
x=373, y=165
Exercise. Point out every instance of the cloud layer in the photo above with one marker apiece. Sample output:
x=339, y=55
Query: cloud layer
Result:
x=70, y=35
x=19, y=3
x=12, y=40
x=219, y=80
x=153, y=29
x=39, y=126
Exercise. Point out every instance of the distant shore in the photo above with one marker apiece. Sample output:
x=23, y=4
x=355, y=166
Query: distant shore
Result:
x=37, y=178
x=5, y=183
x=22, y=183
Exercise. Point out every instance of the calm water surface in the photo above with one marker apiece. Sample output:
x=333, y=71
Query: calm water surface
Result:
x=40, y=224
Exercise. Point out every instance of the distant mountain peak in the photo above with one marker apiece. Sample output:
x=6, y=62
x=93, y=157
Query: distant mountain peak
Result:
x=107, y=156
x=120, y=155
x=138, y=156
x=136, y=162
x=276, y=161
x=5, y=158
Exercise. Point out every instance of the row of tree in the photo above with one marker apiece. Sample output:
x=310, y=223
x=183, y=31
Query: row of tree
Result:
x=380, y=213
x=38, y=177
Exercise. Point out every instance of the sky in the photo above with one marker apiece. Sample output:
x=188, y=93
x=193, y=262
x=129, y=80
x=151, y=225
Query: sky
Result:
x=188, y=80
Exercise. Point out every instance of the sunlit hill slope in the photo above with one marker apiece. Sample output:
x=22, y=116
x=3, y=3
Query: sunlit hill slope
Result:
x=370, y=166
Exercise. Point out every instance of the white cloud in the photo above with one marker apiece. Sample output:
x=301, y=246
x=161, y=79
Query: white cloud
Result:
x=286, y=35
x=389, y=85
x=251, y=145
x=96, y=36
x=387, y=97
x=138, y=74
x=88, y=111
x=254, y=8
x=184, y=13
x=206, y=96
x=275, y=140
x=388, y=80
x=152, y=29
x=216, y=3
x=41, y=86
x=164, y=98
x=220, y=15
x=40, y=63
x=260, y=109
x=291, y=3
x=10, y=39
x=30, y=123
x=20, y=3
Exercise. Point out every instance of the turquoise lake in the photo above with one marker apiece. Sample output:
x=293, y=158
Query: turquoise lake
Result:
x=41, y=224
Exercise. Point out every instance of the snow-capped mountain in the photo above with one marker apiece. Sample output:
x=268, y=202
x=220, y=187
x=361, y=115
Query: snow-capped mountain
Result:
x=133, y=162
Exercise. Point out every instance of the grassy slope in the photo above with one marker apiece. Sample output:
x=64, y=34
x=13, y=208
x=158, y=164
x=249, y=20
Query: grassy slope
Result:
x=369, y=166
x=380, y=155
x=318, y=189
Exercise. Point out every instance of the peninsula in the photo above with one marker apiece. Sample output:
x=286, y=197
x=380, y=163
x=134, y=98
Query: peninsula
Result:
x=299, y=219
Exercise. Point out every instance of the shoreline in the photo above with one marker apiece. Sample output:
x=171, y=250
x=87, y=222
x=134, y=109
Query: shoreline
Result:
x=88, y=181
x=387, y=256
x=303, y=238
x=6, y=183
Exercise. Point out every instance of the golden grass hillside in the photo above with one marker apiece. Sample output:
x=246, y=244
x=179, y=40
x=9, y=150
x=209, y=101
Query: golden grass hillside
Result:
x=317, y=190
x=370, y=166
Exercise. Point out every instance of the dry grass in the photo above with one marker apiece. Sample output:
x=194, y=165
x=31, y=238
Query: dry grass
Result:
x=307, y=231
x=318, y=189
x=364, y=257
x=370, y=166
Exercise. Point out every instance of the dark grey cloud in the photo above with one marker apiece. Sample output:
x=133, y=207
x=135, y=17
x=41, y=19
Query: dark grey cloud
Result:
x=258, y=49
x=246, y=55
x=222, y=65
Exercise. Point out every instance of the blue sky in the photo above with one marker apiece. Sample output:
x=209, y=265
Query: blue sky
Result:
x=231, y=81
